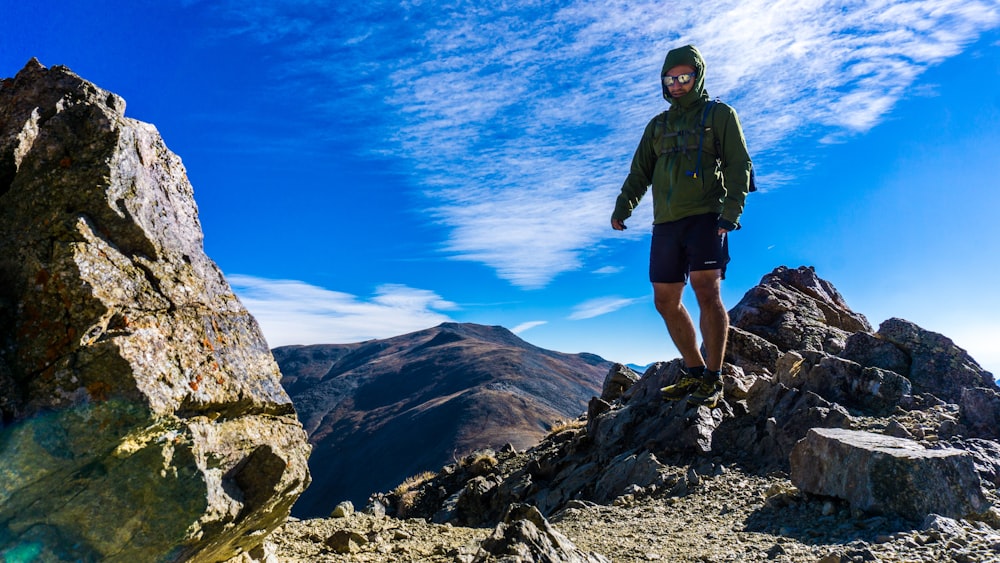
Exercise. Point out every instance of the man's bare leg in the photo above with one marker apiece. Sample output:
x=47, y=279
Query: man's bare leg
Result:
x=667, y=298
x=714, y=320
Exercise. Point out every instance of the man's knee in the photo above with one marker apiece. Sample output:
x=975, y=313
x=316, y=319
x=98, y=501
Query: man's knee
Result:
x=706, y=284
x=667, y=297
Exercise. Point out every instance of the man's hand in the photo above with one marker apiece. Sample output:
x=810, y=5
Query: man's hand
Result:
x=618, y=225
x=722, y=231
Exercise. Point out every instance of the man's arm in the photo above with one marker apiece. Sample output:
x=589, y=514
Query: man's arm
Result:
x=639, y=178
x=735, y=171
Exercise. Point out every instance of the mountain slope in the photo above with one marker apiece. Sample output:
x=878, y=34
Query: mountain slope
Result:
x=380, y=411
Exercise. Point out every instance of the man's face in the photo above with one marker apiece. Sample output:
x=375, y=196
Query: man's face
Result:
x=679, y=73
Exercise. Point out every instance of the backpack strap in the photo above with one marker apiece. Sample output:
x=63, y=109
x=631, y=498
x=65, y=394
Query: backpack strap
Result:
x=701, y=139
x=660, y=135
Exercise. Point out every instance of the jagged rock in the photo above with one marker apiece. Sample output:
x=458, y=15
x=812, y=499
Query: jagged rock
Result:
x=526, y=536
x=629, y=470
x=869, y=350
x=142, y=415
x=937, y=365
x=619, y=380
x=474, y=499
x=842, y=381
x=980, y=411
x=776, y=417
x=595, y=408
x=680, y=428
x=796, y=310
x=750, y=352
x=985, y=456
x=883, y=474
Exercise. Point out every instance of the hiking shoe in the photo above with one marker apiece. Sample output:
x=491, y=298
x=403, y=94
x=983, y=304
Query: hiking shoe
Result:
x=708, y=392
x=689, y=381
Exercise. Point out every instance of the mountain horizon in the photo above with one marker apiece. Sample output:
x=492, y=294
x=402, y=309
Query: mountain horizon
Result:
x=382, y=410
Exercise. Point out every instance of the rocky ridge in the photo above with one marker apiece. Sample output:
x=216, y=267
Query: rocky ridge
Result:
x=637, y=479
x=424, y=398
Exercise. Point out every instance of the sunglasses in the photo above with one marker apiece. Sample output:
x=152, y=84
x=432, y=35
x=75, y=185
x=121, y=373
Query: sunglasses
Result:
x=669, y=81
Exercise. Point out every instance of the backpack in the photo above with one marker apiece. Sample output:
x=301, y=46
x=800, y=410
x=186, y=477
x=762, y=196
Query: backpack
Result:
x=659, y=136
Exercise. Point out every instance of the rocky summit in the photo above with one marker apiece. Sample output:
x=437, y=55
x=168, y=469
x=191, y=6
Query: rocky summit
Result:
x=142, y=414
x=834, y=443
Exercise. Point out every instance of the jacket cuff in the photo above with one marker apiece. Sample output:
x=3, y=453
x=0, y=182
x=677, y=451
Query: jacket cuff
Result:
x=728, y=225
x=621, y=211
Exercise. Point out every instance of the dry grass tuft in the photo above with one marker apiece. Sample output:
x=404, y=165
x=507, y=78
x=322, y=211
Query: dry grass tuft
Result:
x=408, y=491
x=479, y=462
x=564, y=425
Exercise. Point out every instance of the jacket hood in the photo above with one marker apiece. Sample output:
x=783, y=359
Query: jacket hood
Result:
x=686, y=55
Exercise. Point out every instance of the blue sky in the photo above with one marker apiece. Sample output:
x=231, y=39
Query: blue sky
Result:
x=367, y=169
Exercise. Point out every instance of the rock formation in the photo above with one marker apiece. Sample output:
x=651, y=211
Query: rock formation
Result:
x=142, y=415
x=803, y=365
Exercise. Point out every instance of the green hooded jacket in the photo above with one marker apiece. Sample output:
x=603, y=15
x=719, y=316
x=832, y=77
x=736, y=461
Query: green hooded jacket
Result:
x=667, y=156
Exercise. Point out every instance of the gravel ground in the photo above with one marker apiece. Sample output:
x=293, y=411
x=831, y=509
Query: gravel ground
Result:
x=729, y=516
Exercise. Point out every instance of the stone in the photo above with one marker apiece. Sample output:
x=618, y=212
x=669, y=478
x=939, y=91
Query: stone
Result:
x=980, y=411
x=776, y=417
x=678, y=426
x=797, y=310
x=887, y=475
x=619, y=379
x=870, y=350
x=937, y=365
x=595, y=408
x=343, y=509
x=142, y=413
x=750, y=352
x=627, y=470
x=525, y=535
x=985, y=456
x=345, y=542
x=939, y=523
x=842, y=381
x=375, y=507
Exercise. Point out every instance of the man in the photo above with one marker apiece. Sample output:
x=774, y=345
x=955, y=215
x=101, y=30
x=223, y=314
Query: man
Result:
x=695, y=158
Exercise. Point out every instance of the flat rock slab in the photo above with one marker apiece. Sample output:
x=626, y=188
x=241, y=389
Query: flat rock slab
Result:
x=884, y=474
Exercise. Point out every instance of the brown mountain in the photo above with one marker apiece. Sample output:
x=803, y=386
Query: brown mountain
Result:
x=380, y=411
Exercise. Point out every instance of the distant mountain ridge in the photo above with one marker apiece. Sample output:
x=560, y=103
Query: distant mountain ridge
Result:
x=380, y=411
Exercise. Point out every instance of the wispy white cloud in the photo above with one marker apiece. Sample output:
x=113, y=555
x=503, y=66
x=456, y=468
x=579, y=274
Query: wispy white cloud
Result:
x=600, y=306
x=527, y=326
x=294, y=312
x=519, y=119
x=606, y=270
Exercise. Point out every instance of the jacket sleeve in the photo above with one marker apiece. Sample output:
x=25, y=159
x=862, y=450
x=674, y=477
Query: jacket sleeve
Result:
x=640, y=176
x=735, y=168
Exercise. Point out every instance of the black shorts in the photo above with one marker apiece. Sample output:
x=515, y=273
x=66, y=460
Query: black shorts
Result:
x=687, y=245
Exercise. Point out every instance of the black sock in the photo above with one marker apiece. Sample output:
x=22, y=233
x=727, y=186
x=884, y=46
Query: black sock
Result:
x=698, y=371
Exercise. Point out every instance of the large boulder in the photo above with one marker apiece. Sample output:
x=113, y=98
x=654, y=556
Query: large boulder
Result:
x=888, y=475
x=142, y=415
x=797, y=310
